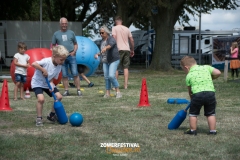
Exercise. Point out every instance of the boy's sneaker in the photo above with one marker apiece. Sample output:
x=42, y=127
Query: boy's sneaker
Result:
x=190, y=132
x=212, y=133
x=118, y=95
x=79, y=93
x=52, y=118
x=90, y=84
x=66, y=93
x=39, y=122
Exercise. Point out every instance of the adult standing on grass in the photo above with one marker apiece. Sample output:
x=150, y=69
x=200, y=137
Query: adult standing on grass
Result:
x=123, y=36
x=110, y=50
x=201, y=91
x=67, y=38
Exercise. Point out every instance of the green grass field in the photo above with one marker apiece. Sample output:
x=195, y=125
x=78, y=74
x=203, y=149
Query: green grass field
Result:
x=121, y=121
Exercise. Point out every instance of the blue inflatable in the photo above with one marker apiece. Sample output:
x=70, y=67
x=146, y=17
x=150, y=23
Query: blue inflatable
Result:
x=177, y=101
x=179, y=118
x=85, y=54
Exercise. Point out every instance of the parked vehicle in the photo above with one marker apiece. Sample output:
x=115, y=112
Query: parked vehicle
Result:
x=185, y=42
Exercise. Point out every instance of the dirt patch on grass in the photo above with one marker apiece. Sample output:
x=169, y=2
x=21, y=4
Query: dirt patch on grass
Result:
x=5, y=123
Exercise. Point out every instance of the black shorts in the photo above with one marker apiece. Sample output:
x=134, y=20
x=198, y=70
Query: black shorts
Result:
x=206, y=99
x=39, y=90
x=81, y=68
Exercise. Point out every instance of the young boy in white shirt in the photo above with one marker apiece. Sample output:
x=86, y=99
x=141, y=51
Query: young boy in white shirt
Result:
x=47, y=67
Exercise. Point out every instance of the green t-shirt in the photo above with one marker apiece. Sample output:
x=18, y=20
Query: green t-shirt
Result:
x=200, y=79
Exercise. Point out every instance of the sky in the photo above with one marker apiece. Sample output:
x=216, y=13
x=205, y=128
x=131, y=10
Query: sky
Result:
x=217, y=20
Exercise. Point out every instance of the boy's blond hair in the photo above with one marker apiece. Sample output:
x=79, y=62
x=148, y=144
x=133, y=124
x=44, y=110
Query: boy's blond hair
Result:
x=60, y=50
x=188, y=61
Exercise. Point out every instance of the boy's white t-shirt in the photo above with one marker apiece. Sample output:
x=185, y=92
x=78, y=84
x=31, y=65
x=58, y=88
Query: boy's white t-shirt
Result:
x=38, y=80
x=22, y=59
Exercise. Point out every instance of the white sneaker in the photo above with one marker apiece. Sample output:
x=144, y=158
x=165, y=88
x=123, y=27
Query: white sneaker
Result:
x=79, y=93
x=66, y=93
x=106, y=96
x=39, y=122
x=118, y=95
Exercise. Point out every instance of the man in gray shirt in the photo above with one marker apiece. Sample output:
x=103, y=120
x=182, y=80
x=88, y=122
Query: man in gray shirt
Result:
x=67, y=38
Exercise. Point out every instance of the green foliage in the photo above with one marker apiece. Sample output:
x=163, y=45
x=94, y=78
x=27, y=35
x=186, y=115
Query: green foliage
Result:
x=95, y=13
x=16, y=9
x=88, y=33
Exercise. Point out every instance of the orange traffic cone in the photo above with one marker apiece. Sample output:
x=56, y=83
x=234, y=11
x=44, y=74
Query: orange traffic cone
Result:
x=27, y=94
x=143, y=102
x=4, y=103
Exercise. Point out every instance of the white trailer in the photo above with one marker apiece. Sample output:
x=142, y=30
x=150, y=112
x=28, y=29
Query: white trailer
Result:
x=184, y=42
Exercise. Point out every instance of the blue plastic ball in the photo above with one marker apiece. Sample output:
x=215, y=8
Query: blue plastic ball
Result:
x=76, y=119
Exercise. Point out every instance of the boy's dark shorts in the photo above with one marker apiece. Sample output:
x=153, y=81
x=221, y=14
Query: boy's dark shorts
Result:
x=39, y=90
x=81, y=68
x=20, y=78
x=206, y=99
x=124, y=59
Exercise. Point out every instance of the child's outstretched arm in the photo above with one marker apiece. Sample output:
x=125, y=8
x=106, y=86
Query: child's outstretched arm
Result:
x=215, y=73
x=37, y=66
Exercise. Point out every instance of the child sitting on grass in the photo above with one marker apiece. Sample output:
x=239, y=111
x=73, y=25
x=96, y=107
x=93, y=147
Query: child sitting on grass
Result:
x=47, y=67
x=201, y=91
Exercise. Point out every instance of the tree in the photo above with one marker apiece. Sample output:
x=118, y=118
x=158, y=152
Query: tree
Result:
x=163, y=15
x=92, y=13
x=85, y=11
x=163, y=22
x=10, y=10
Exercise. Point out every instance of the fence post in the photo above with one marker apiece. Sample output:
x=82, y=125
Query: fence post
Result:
x=226, y=68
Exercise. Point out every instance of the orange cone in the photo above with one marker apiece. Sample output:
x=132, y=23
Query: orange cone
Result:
x=27, y=94
x=143, y=102
x=4, y=103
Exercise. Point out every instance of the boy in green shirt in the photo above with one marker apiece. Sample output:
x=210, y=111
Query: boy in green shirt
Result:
x=201, y=91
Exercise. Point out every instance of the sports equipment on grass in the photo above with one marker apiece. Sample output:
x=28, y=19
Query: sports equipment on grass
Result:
x=76, y=119
x=58, y=107
x=178, y=119
x=177, y=101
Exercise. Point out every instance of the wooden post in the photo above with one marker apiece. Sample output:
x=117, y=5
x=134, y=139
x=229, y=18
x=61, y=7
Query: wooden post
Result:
x=226, y=68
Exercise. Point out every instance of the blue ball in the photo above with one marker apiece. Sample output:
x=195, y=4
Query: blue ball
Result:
x=76, y=119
